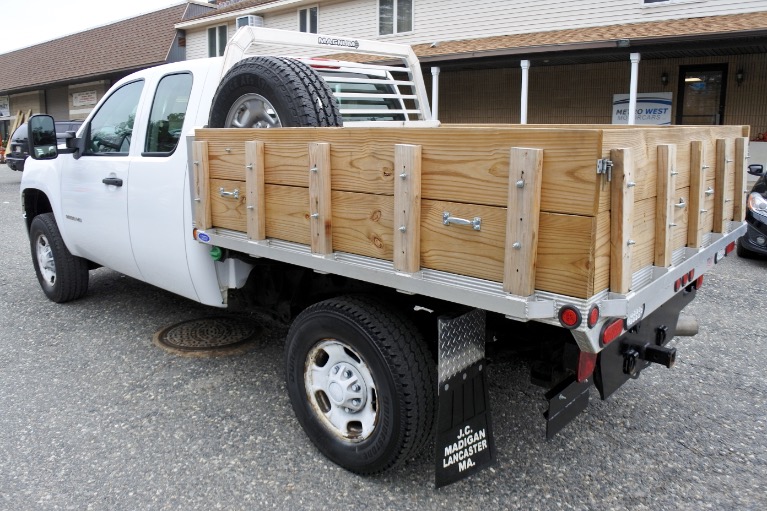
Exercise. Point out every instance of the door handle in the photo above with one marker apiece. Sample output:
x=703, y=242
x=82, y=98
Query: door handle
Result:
x=115, y=181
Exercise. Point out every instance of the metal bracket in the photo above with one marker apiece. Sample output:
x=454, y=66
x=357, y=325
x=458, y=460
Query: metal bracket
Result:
x=605, y=166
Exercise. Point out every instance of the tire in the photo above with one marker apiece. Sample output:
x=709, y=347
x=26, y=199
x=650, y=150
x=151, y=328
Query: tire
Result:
x=62, y=276
x=742, y=251
x=361, y=383
x=272, y=92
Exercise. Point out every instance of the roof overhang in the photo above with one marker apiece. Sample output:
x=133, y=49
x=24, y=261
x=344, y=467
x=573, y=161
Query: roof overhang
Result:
x=750, y=42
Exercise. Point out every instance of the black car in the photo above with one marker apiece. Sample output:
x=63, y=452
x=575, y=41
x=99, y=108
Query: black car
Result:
x=18, y=145
x=755, y=240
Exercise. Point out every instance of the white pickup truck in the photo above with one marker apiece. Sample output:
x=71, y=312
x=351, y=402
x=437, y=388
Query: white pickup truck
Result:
x=396, y=246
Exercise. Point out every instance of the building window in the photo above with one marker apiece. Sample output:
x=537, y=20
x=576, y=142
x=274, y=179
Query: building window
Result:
x=217, y=38
x=307, y=19
x=395, y=16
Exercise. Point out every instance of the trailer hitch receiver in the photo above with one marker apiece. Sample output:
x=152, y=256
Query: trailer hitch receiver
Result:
x=649, y=353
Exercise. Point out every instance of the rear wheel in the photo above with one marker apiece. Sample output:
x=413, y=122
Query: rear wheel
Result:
x=273, y=92
x=62, y=276
x=361, y=383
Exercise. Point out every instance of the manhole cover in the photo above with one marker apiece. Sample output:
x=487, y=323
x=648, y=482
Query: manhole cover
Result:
x=210, y=337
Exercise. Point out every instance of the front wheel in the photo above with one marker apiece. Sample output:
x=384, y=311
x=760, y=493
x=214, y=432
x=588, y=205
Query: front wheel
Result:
x=62, y=276
x=361, y=383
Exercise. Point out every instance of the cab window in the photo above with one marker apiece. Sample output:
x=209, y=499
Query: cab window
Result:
x=167, y=117
x=111, y=128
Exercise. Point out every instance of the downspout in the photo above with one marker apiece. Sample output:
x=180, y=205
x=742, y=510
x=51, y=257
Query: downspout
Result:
x=434, y=93
x=635, y=57
x=525, y=65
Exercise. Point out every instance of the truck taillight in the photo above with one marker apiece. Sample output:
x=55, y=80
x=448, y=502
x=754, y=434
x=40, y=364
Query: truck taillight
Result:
x=586, y=364
x=611, y=331
x=729, y=249
x=687, y=278
x=593, y=316
x=570, y=317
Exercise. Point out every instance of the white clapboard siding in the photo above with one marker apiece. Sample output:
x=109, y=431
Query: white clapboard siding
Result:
x=197, y=40
x=444, y=20
x=449, y=20
x=348, y=18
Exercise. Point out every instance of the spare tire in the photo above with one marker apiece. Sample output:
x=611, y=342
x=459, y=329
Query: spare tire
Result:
x=273, y=92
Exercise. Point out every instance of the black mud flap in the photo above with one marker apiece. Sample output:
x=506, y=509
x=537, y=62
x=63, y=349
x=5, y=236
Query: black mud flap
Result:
x=464, y=433
x=566, y=401
x=627, y=356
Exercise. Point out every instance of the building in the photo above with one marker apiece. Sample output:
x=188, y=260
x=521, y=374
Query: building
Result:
x=705, y=56
x=70, y=74
x=702, y=60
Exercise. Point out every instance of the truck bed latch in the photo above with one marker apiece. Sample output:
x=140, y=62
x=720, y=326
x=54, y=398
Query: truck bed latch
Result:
x=605, y=166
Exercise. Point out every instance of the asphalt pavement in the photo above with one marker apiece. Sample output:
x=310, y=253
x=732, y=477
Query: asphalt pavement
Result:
x=94, y=416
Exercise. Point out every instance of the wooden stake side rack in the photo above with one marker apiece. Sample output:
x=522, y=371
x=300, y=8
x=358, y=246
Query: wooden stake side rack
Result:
x=522, y=206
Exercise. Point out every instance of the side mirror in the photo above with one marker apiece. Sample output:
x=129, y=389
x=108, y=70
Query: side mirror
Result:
x=756, y=169
x=42, y=138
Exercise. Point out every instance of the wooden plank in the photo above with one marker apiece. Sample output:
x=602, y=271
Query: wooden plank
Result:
x=522, y=218
x=697, y=200
x=599, y=258
x=287, y=213
x=202, y=200
x=565, y=262
x=363, y=224
x=621, y=220
x=407, y=207
x=17, y=121
x=643, y=234
x=320, y=204
x=459, y=248
x=227, y=204
x=664, y=209
x=465, y=164
x=721, y=171
x=254, y=184
x=739, y=194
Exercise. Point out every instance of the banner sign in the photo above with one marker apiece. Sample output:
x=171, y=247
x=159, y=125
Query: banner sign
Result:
x=86, y=98
x=652, y=108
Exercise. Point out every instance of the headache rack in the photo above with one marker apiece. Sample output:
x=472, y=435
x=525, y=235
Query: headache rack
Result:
x=390, y=94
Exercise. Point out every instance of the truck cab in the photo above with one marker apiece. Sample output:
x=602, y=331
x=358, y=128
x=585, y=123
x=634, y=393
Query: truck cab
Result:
x=120, y=196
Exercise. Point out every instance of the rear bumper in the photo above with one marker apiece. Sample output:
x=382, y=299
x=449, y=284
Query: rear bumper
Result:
x=643, y=344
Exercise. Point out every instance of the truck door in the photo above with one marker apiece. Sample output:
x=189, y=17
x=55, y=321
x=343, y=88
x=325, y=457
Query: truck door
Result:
x=94, y=191
x=157, y=198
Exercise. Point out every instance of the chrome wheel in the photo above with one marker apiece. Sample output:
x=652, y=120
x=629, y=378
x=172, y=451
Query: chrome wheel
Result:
x=45, y=260
x=341, y=390
x=252, y=111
